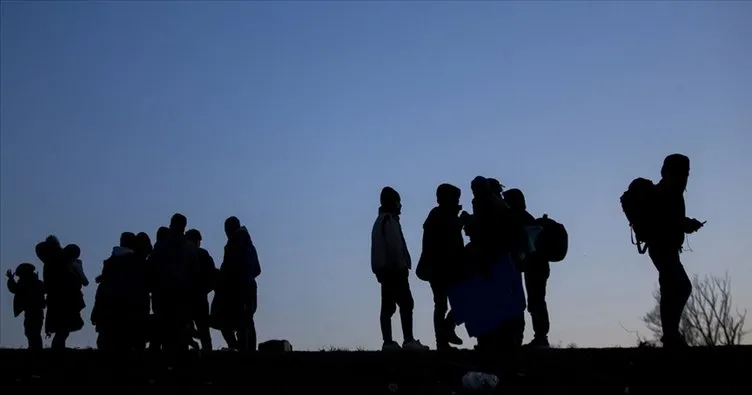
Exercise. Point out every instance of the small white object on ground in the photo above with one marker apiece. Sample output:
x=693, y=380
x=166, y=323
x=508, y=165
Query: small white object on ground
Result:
x=477, y=381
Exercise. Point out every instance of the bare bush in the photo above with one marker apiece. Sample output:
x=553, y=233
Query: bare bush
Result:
x=709, y=318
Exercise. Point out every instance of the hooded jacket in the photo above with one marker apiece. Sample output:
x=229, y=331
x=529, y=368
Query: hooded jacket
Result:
x=388, y=247
x=240, y=266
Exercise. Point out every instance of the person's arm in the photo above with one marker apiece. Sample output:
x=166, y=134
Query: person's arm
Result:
x=12, y=285
x=393, y=243
x=253, y=260
x=692, y=225
x=80, y=272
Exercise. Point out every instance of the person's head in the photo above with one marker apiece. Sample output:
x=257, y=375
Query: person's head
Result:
x=52, y=241
x=390, y=200
x=163, y=233
x=194, y=236
x=448, y=195
x=675, y=171
x=495, y=187
x=128, y=240
x=515, y=198
x=479, y=186
x=143, y=242
x=178, y=223
x=71, y=251
x=25, y=270
x=232, y=225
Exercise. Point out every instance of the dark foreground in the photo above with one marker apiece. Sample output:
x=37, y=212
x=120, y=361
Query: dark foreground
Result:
x=708, y=371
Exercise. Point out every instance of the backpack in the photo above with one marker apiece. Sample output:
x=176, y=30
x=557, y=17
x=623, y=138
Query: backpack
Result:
x=638, y=204
x=553, y=241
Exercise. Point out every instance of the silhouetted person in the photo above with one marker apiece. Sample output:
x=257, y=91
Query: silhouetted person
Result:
x=28, y=298
x=441, y=256
x=206, y=284
x=174, y=262
x=671, y=225
x=63, y=286
x=143, y=245
x=142, y=289
x=537, y=271
x=75, y=264
x=488, y=221
x=495, y=187
x=235, y=297
x=118, y=308
x=163, y=233
x=510, y=334
x=390, y=262
x=500, y=230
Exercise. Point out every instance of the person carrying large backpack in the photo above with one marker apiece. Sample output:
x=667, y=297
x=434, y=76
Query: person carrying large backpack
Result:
x=537, y=271
x=657, y=216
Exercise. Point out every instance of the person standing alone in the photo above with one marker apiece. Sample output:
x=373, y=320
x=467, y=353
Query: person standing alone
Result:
x=390, y=262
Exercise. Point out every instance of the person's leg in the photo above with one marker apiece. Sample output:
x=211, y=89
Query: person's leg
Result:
x=59, y=340
x=230, y=339
x=404, y=298
x=536, y=279
x=247, y=334
x=33, y=330
x=406, y=305
x=202, y=323
x=440, y=307
x=443, y=321
x=675, y=288
x=388, y=308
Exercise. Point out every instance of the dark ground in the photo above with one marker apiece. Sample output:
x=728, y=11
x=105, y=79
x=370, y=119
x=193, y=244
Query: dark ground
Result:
x=707, y=371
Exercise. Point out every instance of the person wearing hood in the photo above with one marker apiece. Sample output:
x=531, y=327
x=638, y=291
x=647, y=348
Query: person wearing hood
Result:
x=175, y=267
x=671, y=225
x=440, y=259
x=115, y=315
x=236, y=296
x=390, y=262
x=537, y=271
x=28, y=299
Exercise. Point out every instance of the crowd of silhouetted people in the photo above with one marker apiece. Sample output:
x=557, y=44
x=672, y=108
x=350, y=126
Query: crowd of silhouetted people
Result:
x=147, y=296
x=156, y=297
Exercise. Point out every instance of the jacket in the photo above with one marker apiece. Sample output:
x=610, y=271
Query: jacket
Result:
x=388, y=247
x=443, y=245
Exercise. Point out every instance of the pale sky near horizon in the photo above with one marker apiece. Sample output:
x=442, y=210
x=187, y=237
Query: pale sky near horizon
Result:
x=293, y=115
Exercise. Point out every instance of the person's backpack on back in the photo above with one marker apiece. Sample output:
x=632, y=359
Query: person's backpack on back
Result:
x=553, y=240
x=638, y=204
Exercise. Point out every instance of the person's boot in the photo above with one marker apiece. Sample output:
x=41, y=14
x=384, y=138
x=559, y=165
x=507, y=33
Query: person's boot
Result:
x=390, y=346
x=675, y=341
x=444, y=346
x=539, y=342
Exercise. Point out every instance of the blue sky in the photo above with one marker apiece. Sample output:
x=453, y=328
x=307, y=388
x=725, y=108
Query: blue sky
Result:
x=292, y=116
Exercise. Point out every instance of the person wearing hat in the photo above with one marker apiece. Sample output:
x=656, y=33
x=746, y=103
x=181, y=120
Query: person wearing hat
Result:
x=28, y=298
x=672, y=224
x=390, y=262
